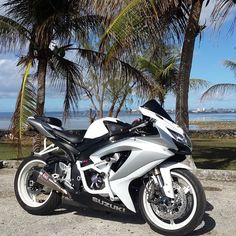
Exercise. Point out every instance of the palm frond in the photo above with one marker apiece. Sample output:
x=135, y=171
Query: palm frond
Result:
x=198, y=83
x=12, y=34
x=169, y=68
x=231, y=65
x=222, y=10
x=116, y=68
x=147, y=21
x=218, y=90
x=66, y=76
x=147, y=66
x=25, y=107
x=127, y=13
x=83, y=25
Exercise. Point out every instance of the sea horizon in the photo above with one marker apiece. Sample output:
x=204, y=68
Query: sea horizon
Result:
x=80, y=120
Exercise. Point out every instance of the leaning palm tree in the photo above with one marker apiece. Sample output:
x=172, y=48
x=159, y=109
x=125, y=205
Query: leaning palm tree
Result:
x=44, y=34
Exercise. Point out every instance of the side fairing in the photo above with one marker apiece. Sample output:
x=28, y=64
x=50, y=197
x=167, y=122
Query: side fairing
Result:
x=146, y=153
x=97, y=128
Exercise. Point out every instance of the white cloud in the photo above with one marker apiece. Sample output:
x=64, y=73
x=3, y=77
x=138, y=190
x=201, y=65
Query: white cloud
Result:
x=10, y=78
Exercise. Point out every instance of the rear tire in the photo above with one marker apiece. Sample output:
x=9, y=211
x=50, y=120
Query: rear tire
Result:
x=184, y=215
x=33, y=197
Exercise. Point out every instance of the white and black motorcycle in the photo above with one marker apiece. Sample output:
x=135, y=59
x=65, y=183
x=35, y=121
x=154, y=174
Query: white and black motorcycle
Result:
x=116, y=167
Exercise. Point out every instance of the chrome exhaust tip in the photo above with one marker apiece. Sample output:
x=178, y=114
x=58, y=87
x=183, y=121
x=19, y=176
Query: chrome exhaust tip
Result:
x=44, y=178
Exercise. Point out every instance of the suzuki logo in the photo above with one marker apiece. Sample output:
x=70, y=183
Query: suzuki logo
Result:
x=108, y=205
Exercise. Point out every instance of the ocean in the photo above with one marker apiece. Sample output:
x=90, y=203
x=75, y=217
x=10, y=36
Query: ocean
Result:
x=81, y=121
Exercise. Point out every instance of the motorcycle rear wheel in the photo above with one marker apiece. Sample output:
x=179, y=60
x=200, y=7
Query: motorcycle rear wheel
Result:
x=179, y=217
x=34, y=197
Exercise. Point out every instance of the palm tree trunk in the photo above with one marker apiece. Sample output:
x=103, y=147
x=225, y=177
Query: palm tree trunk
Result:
x=42, y=70
x=121, y=105
x=182, y=117
x=111, y=110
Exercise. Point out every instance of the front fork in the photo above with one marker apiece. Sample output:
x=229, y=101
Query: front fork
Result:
x=162, y=177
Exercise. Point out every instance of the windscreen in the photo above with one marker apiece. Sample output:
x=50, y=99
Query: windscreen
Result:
x=154, y=106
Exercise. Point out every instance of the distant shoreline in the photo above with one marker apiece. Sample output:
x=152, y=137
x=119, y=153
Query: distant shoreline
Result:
x=197, y=120
x=202, y=129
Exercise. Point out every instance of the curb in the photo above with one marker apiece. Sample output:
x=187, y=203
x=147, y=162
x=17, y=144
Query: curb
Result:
x=219, y=175
x=202, y=174
x=10, y=164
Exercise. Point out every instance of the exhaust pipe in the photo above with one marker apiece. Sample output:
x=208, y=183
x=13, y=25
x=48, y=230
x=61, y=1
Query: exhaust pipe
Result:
x=47, y=180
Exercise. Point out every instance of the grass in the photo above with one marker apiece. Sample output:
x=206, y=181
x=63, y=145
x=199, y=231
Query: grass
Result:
x=8, y=151
x=208, y=153
x=214, y=125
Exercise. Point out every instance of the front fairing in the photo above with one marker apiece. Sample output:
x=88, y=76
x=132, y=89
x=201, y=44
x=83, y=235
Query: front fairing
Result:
x=168, y=130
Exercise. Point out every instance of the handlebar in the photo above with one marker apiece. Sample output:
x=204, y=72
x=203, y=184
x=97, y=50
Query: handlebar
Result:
x=143, y=124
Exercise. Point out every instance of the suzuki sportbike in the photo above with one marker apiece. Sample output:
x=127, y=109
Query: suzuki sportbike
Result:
x=115, y=166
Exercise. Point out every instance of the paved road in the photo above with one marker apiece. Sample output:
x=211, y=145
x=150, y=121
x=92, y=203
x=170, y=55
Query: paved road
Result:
x=220, y=217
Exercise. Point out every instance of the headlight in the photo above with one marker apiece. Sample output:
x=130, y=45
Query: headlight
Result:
x=184, y=139
x=188, y=140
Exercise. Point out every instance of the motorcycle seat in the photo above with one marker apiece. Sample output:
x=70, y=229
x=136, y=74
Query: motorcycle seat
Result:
x=50, y=120
x=73, y=138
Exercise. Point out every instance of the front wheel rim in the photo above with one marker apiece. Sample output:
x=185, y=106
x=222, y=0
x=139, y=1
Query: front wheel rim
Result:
x=29, y=197
x=172, y=224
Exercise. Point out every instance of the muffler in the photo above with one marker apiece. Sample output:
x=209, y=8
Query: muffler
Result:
x=44, y=178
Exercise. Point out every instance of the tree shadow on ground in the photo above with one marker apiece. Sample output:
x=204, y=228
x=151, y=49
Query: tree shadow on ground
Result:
x=215, y=158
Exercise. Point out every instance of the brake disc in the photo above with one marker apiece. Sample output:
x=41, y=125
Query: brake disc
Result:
x=172, y=209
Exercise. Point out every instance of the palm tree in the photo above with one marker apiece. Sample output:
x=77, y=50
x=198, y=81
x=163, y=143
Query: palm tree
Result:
x=221, y=89
x=164, y=70
x=44, y=29
x=148, y=22
x=192, y=30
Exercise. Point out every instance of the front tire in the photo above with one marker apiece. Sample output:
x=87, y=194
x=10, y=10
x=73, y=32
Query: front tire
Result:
x=32, y=196
x=180, y=216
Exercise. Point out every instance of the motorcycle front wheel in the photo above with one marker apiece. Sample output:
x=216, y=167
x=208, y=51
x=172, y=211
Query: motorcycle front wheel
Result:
x=178, y=216
x=32, y=196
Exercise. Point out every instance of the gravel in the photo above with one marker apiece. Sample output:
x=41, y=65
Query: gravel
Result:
x=220, y=217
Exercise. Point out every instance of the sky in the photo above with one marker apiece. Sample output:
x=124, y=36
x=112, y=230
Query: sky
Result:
x=209, y=55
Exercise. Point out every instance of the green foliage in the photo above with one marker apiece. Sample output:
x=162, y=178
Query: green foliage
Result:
x=25, y=107
x=140, y=23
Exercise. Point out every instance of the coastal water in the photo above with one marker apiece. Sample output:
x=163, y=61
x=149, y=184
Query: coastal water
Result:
x=81, y=121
